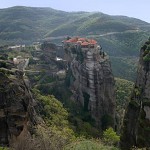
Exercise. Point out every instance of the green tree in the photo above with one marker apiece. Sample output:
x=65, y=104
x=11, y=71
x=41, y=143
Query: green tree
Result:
x=110, y=137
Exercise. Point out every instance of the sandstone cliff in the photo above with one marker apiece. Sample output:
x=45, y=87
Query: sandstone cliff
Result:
x=136, y=128
x=91, y=79
x=17, y=114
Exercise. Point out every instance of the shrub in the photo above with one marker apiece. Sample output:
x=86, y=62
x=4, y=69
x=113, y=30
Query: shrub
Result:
x=55, y=117
x=3, y=148
x=88, y=144
x=2, y=64
x=146, y=58
x=110, y=137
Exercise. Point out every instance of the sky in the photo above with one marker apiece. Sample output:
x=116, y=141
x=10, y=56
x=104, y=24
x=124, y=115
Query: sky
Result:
x=131, y=8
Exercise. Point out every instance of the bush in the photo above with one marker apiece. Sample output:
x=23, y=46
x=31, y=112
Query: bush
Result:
x=55, y=116
x=110, y=137
x=2, y=64
x=146, y=58
x=3, y=148
x=91, y=144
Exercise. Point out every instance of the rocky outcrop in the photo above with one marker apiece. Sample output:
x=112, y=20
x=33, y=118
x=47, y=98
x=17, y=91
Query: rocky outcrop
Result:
x=17, y=113
x=91, y=79
x=136, y=128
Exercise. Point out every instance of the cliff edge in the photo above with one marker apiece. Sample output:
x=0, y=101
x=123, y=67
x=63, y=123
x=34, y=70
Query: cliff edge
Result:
x=17, y=114
x=91, y=80
x=136, y=128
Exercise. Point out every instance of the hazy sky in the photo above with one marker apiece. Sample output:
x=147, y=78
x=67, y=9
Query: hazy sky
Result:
x=132, y=8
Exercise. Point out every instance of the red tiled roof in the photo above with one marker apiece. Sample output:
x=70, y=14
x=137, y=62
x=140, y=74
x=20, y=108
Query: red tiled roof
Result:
x=67, y=41
x=85, y=43
x=91, y=41
x=79, y=42
x=82, y=41
x=73, y=40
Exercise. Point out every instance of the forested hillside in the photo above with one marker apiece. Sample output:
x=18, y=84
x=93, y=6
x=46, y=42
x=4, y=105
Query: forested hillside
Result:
x=118, y=35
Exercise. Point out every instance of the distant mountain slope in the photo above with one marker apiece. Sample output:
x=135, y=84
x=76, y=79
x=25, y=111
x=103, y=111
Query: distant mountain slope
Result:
x=119, y=35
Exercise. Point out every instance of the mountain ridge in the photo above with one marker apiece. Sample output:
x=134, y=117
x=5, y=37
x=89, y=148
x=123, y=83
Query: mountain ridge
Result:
x=22, y=24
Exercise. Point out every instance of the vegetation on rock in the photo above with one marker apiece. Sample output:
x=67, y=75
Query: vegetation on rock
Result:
x=110, y=137
x=88, y=144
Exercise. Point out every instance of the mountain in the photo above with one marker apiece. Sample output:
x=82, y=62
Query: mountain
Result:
x=118, y=35
x=136, y=127
x=17, y=113
x=32, y=116
x=26, y=116
x=91, y=81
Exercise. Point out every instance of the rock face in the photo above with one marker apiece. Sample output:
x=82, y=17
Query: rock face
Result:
x=91, y=79
x=16, y=106
x=136, y=128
